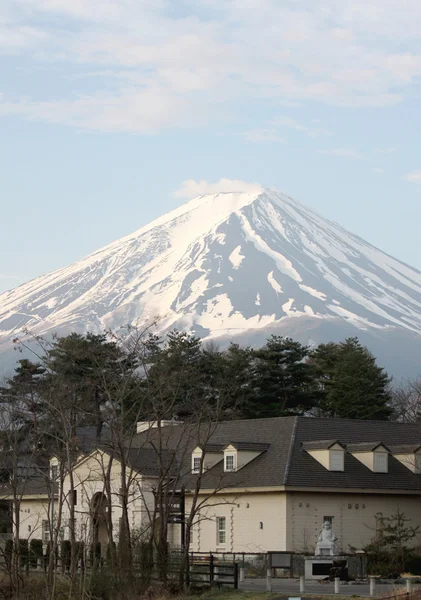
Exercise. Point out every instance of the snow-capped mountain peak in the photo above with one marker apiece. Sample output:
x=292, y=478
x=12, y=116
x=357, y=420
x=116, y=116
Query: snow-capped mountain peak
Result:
x=221, y=265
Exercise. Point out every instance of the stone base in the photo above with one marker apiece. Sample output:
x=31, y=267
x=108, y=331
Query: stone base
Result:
x=318, y=567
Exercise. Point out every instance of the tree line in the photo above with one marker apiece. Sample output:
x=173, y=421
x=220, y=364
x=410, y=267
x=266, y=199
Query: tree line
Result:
x=281, y=378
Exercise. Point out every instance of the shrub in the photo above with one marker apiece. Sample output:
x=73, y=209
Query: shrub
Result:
x=8, y=551
x=24, y=551
x=35, y=551
x=66, y=552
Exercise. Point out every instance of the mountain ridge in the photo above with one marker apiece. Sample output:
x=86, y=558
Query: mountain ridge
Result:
x=220, y=264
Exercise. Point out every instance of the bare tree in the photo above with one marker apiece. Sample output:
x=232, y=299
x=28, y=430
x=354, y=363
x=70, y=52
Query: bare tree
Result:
x=406, y=401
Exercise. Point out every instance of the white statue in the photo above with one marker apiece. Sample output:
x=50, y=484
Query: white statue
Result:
x=326, y=540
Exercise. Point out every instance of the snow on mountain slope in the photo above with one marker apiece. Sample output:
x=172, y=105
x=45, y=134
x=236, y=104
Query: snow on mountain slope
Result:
x=219, y=265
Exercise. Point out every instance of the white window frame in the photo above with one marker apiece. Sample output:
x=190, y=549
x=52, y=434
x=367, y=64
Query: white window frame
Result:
x=339, y=456
x=221, y=531
x=380, y=467
x=195, y=458
x=45, y=531
x=234, y=466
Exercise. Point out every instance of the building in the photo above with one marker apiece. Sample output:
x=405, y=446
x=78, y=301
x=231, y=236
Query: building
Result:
x=280, y=479
x=265, y=484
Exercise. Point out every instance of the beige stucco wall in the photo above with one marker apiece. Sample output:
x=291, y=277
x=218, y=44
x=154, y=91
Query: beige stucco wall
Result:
x=89, y=480
x=243, y=512
x=32, y=513
x=292, y=520
x=355, y=526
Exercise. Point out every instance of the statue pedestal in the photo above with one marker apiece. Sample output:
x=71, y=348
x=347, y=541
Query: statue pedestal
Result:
x=318, y=567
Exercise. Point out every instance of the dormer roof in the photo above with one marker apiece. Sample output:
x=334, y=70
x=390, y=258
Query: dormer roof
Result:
x=209, y=448
x=321, y=444
x=249, y=446
x=365, y=447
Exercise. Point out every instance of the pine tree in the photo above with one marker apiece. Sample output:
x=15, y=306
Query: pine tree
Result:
x=23, y=391
x=86, y=368
x=283, y=383
x=353, y=386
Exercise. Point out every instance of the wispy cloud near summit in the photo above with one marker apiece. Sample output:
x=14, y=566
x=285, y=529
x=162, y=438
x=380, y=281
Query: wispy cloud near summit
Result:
x=191, y=188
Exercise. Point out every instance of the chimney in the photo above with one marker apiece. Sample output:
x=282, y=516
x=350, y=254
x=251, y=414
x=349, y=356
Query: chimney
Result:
x=142, y=426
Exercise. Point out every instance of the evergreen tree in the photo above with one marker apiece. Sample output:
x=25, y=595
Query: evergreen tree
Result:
x=351, y=383
x=282, y=382
x=172, y=374
x=84, y=370
x=23, y=391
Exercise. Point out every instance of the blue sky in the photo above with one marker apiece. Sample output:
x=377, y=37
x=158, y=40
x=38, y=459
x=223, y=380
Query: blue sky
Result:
x=113, y=112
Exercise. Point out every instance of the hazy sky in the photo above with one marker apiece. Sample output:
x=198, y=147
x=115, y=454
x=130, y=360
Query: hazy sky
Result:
x=107, y=107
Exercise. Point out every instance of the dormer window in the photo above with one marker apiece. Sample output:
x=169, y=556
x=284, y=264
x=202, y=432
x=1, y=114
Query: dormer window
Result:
x=380, y=462
x=229, y=462
x=329, y=453
x=375, y=456
x=212, y=455
x=336, y=460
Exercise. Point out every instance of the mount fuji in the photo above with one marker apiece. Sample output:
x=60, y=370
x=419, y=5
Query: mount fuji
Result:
x=232, y=266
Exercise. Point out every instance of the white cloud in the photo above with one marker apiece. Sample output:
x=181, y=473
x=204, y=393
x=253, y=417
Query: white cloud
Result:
x=414, y=177
x=192, y=188
x=343, y=153
x=196, y=61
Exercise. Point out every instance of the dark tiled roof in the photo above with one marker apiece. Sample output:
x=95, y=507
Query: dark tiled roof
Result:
x=33, y=486
x=283, y=459
x=305, y=471
x=272, y=438
x=405, y=448
x=251, y=446
x=320, y=444
x=145, y=461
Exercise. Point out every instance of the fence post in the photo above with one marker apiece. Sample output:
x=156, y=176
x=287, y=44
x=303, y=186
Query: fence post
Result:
x=408, y=586
x=269, y=580
x=211, y=570
x=235, y=576
x=39, y=564
x=372, y=586
x=241, y=574
x=302, y=584
x=337, y=585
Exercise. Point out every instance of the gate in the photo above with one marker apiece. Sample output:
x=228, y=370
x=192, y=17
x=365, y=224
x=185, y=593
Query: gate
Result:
x=209, y=570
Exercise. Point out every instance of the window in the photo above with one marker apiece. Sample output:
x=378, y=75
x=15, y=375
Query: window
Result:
x=74, y=497
x=196, y=464
x=336, y=460
x=230, y=462
x=221, y=531
x=54, y=470
x=417, y=463
x=328, y=519
x=380, y=462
